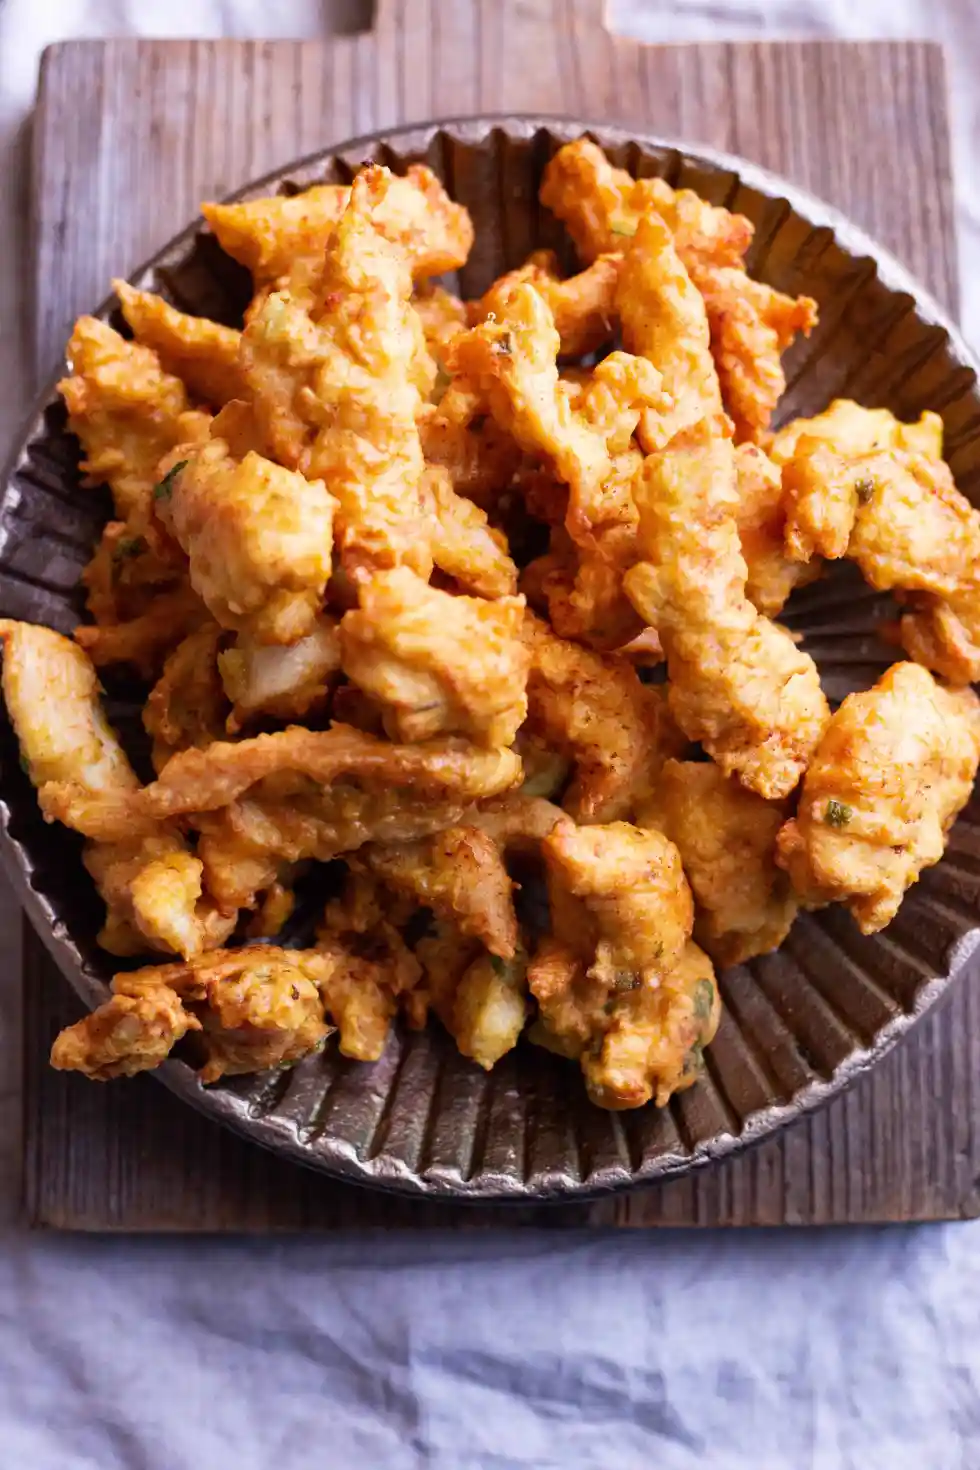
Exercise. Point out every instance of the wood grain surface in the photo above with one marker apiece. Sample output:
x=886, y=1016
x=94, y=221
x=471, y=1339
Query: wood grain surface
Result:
x=129, y=136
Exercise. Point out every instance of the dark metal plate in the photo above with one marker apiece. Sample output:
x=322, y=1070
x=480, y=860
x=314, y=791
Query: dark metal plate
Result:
x=798, y=1026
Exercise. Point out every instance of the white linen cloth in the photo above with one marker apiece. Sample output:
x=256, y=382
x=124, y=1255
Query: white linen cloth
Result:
x=738, y=1351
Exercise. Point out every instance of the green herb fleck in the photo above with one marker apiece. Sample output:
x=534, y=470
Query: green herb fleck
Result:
x=622, y=228
x=165, y=488
x=837, y=814
x=25, y=764
x=704, y=999
x=128, y=547
x=499, y=965
x=625, y=981
x=504, y=345
x=864, y=489
x=694, y=1061
x=609, y=1007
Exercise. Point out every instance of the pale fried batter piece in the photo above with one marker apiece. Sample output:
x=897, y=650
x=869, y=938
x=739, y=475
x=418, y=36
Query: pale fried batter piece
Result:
x=892, y=772
x=286, y=683
x=202, y=353
x=583, y=591
x=664, y=319
x=128, y=570
x=270, y=235
x=459, y=436
x=126, y=1035
x=518, y=822
x=258, y=538
x=480, y=998
x=726, y=837
x=303, y=763
x=596, y=712
x=514, y=361
x=619, y=900
x=150, y=884
x=464, y=544
x=145, y=639
x=761, y=518
x=257, y=1007
x=583, y=306
x=332, y=386
x=751, y=326
x=653, y=1042
x=127, y=412
x=460, y=875
x=438, y=664
x=601, y=207
x=187, y=705
x=899, y=515
x=373, y=970
x=738, y=682
x=852, y=430
x=443, y=317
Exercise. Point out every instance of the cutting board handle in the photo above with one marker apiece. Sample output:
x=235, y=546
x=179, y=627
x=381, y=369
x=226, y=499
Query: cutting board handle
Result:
x=405, y=15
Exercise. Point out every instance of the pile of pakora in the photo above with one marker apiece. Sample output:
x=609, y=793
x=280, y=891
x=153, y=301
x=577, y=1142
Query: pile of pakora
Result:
x=469, y=599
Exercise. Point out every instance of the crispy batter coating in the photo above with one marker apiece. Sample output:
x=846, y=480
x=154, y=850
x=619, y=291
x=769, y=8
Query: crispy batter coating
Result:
x=518, y=822
x=127, y=412
x=201, y=352
x=619, y=901
x=464, y=544
x=126, y=1035
x=583, y=306
x=761, y=519
x=129, y=570
x=331, y=380
x=270, y=235
x=286, y=683
x=726, y=837
x=892, y=772
x=852, y=430
x=514, y=360
x=301, y=761
x=749, y=323
x=615, y=730
x=653, y=1041
x=582, y=591
x=258, y=538
x=149, y=882
x=443, y=317
x=460, y=875
x=664, y=320
x=899, y=515
x=145, y=639
x=738, y=683
x=458, y=435
x=601, y=207
x=187, y=705
x=256, y=1007
x=438, y=664
x=751, y=326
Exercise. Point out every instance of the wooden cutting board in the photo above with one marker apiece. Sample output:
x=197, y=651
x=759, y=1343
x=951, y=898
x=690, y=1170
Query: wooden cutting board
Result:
x=129, y=136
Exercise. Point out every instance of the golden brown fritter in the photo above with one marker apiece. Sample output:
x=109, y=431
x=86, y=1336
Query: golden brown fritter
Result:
x=892, y=772
x=583, y=306
x=145, y=639
x=202, y=353
x=464, y=544
x=653, y=1040
x=127, y=412
x=187, y=705
x=438, y=664
x=615, y=730
x=258, y=538
x=601, y=207
x=726, y=837
x=331, y=380
x=459, y=874
x=149, y=882
x=761, y=519
x=286, y=683
x=459, y=436
x=513, y=359
x=850, y=429
x=738, y=683
x=256, y=1007
x=664, y=320
x=270, y=236
x=297, y=763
